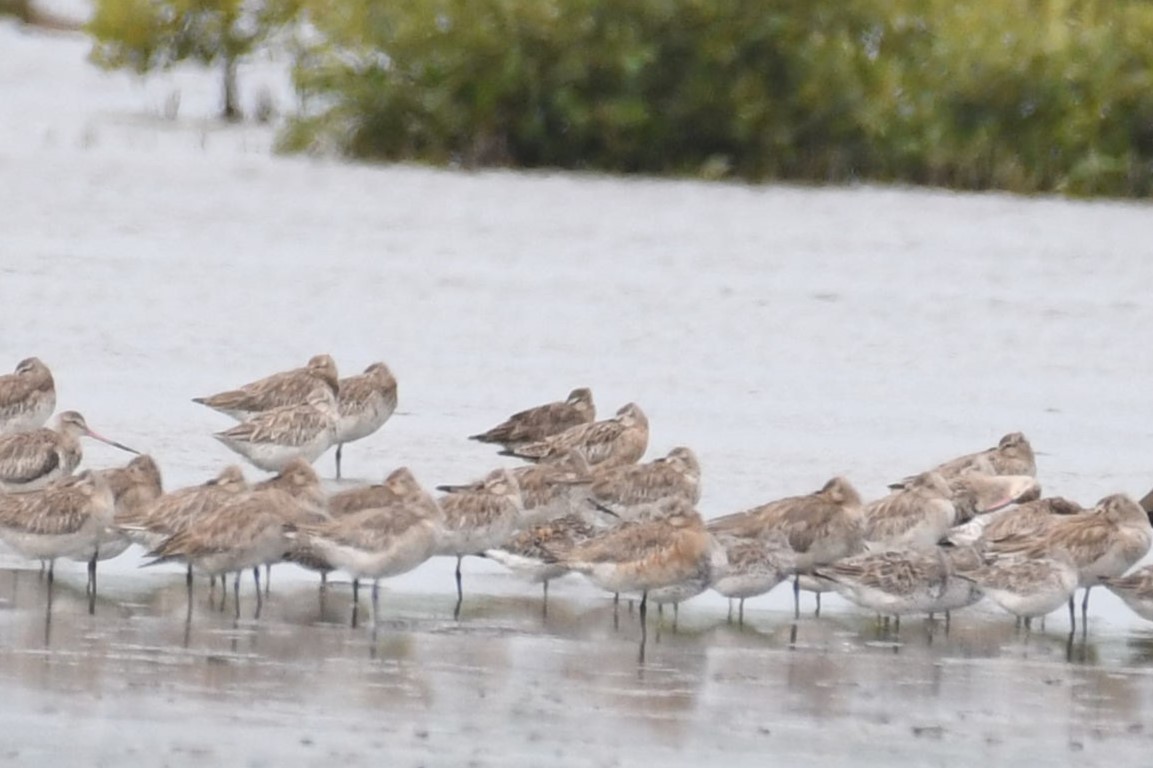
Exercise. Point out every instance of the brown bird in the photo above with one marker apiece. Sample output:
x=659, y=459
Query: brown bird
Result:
x=609, y=443
x=547, y=491
x=59, y=521
x=1013, y=455
x=364, y=403
x=1103, y=543
x=27, y=397
x=275, y=391
x=135, y=487
x=535, y=424
x=33, y=460
x=820, y=527
x=635, y=491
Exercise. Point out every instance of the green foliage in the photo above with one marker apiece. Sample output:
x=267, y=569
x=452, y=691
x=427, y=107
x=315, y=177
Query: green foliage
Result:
x=1027, y=95
x=143, y=35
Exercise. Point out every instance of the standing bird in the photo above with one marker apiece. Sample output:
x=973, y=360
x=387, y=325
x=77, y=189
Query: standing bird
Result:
x=1027, y=588
x=33, y=460
x=134, y=488
x=59, y=521
x=247, y=531
x=1028, y=519
x=609, y=443
x=173, y=512
x=531, y=553
x=271, y=440
x=820, y=527
x=27, y=397
x=276, y=391
x=1103, y=543
x=376, y=543
x=535, y=424
x=478, y=520
x=755, y=566
x=364, y=403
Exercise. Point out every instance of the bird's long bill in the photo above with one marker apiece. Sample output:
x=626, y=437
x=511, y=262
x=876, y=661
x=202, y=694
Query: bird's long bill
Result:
x=113, y=443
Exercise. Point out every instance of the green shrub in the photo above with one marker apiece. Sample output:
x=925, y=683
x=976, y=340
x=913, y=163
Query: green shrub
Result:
x=1027, y=95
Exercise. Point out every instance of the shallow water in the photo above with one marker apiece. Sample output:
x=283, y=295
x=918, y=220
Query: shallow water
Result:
x=786, y=334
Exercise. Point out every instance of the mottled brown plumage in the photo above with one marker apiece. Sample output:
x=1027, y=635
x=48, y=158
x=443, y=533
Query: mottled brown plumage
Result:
x=547, y=490
x=173, y=512
x=59, y=520
x=33, y=460
x=1013, y=455
x=286, y=388
x=478, y=520
x=543, y=421
x=27, y=397
x=365, y=402
x=609, y=443
x=820, y=527
x=632, y=491
x=400, y=487
x=274, y=438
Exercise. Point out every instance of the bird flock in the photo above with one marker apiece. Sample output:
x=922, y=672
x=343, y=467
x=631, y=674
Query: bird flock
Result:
x=971, y=528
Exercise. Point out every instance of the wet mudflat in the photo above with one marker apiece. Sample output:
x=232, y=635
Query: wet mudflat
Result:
x=785, y=334
x=142, y=683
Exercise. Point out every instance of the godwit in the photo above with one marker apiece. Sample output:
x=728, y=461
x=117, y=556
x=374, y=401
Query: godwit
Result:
x=364, y=403
x=1136, y=589
x=632, y=491
x=276, y=391
x=1103, y=543
x=900, y=582
x=609, y=443
x=59, y=521
x=478, y=520
x=399, y=487
x=754, y=567
x=547, y=491
x=821, y=527
x=33, y=460
x=27, y=397
x=247, y=531
x=1027, y=587
x=134, y=488
x=376, y=543
x=542, y=421
x=922, y=512
x=646, y=556
x=173, y=512
x=273, y=439
x=531, y=553
x=1013, y=455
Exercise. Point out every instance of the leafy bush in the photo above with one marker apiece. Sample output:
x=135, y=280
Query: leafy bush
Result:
x=1025, y=95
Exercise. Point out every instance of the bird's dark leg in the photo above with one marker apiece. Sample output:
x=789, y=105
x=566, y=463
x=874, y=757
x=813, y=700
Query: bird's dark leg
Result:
x=339, y=451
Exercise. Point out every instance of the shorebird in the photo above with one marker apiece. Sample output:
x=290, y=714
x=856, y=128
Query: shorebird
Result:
x=399, y=487
x=647, y=556
x=272, y=439
x=364, y=403
x=1027, y=587
x=1103, y=543
x=478, y=520
x=609, y=443
x=820, y=527
x=633, y=491
x=27, y=397
x=1028, y=519
x=276, y=391
x=33, y=460
x=247, y=531
x=547, y=491
x=900, y=582
x=58, y=521
x=1136, y=589
x=922, y=512
x=754, y=567
x=543, y=421
x=1013, y=455
x=134, y=488
x=173, y=512
x=531, y=553
x=376, y=543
